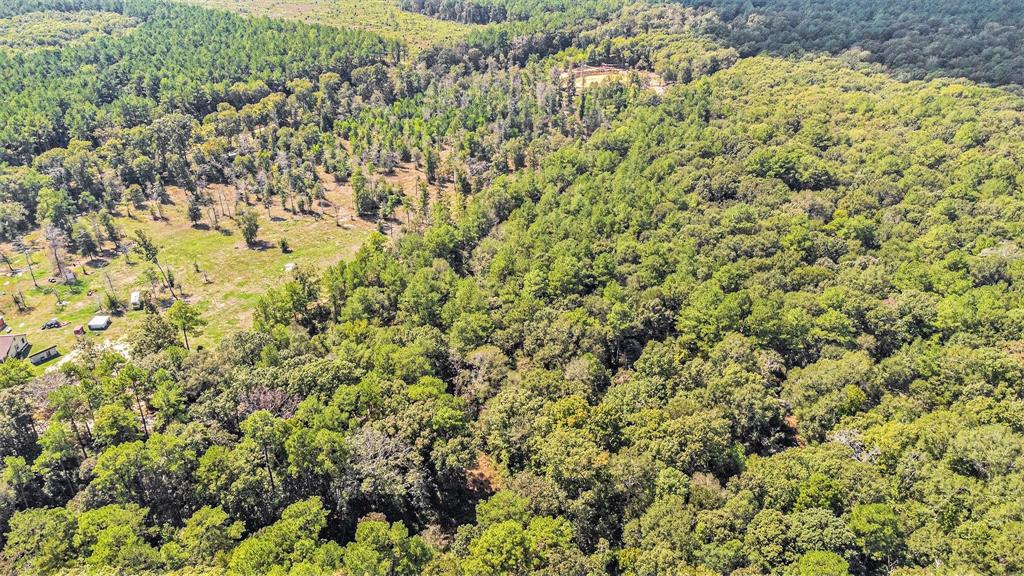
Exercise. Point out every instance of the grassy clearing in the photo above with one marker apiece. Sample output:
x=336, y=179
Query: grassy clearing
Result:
x=237, y=275
x=381, y=16
x=588, y=77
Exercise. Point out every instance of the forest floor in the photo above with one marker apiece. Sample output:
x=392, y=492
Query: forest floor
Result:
x=230, y=276
x=381, y=16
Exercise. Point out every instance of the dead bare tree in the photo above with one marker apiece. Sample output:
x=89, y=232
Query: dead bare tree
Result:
x=57, y=242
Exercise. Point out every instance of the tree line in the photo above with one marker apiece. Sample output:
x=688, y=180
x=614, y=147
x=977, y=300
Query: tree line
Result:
x=179, y=59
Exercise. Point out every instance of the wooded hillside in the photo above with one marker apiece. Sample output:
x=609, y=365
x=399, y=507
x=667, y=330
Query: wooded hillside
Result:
x=763, y=321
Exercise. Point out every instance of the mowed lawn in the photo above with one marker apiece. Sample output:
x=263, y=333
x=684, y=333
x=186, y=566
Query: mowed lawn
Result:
x=381, y=16
x=235, y=275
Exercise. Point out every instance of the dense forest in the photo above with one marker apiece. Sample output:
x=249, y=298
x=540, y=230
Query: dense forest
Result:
x=980, y=40
x=917, y=38
x=765, y=321
x=179, y=58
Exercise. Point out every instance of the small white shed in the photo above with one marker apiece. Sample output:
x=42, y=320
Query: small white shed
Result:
x=99, y=323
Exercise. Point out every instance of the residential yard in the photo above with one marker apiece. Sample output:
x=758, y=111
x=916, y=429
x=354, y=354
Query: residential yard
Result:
x=235, y=275
x=381, y=16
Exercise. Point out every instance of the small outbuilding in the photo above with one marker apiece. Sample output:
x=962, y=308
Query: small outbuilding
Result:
x=13, y=346
x=99, y=323
x=44, y=355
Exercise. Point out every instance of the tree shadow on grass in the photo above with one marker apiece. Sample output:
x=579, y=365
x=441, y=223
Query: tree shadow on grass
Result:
x=260, y=245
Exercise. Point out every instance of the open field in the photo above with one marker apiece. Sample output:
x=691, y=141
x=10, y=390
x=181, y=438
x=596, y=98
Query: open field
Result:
x=236, y=275
x=381, y=16
x=230, y=276
x=590, y=76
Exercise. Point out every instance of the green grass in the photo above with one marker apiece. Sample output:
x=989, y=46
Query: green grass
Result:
x=238, y=275
x=381, y=16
